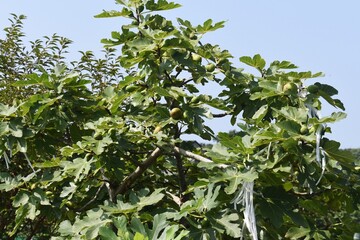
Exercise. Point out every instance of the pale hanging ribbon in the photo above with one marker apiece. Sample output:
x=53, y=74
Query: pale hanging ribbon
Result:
x=320, y=153
x=7, y=160
x=320, y=156
x=245, y=197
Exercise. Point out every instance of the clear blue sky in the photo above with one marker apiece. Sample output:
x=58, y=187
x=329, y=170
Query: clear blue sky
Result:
x=315, y=35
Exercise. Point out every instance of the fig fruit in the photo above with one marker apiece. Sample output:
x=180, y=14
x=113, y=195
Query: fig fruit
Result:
x=196, y=57
x=176, y=113
x=304, y=130
x=289, y=87
x=210, y=67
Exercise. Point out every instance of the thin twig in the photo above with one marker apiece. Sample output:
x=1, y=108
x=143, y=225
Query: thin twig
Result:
x=196, y=156
x=178, y=73
x=168, y=76
x=27, y=159
x=93, y=199
x=220, y=115
x=186, y=81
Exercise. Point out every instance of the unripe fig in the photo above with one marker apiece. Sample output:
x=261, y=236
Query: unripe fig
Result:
x=304, y=130
x=289, y=87
x=69, y=204
x=176, y=113
x=196, y=57
x=210, y=67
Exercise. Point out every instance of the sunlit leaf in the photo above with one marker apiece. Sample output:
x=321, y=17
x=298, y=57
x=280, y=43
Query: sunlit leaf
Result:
x=161, y=5
x=332, y=150
x=107, y=234
x=296, y=233
x=334, y=117
x=7, y=110
x=260, y=113
x=298, y=115
x=255, y=61
x=113, y=13
x=231, y=224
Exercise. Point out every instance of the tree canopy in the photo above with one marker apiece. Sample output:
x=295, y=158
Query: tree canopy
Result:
x=95, y=148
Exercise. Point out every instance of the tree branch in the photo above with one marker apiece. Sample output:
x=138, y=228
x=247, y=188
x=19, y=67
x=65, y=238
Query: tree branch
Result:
x=182, y=177
x=186, y=81
x=108, y=185
x=93, y=199
x=168, y=76
x=220, y=115
x=195, y=156
x=126, y=184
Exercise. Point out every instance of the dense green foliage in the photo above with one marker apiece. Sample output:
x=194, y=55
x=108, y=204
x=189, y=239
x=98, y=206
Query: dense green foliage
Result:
x=94, y=149
x=355, y=152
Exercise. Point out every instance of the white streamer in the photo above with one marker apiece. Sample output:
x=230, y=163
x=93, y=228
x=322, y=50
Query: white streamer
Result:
x=318, y=139
x=245, y=196
x=323, y=166
x=320, y=153
x=7, y=160
x=27, y=159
